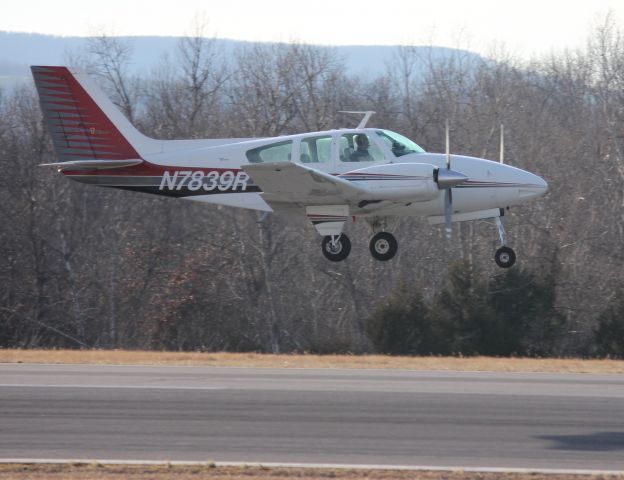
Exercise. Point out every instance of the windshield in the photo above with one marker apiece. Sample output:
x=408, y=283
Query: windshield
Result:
x=399, y=144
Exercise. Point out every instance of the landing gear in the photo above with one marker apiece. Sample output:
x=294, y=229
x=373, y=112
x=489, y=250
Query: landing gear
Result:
x=504, y=257
x=336, y=247
x=383, y=246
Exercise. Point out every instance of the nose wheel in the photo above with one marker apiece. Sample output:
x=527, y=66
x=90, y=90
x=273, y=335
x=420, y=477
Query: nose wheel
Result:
x=383, y=246
x=504, y=257
x=336, y=247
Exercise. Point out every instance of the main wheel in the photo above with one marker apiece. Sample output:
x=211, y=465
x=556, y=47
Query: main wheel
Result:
x=336, y=251
x=383, y=246
x=505, y=257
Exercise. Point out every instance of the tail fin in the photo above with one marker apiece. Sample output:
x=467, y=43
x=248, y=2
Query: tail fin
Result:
x=84, y=124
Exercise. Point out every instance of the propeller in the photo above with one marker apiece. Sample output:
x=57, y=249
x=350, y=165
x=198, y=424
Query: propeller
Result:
x=447, y=179
x=448, y=195
x=448, y=147
x=502, y=144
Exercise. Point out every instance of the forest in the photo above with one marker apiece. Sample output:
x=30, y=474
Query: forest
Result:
x=84, y=267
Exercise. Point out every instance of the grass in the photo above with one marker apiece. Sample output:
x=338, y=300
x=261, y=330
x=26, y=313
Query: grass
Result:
x=223, y=359
x=158, y=472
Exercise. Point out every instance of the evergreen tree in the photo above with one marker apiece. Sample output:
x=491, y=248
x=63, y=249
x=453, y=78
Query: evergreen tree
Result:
x=401, y=326
x=460, y=313
x=609, y=334
x=525, y=320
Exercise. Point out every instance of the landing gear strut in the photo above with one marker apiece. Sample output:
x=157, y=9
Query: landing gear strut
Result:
x=336, y=247
x=383, y=246
x=504, y=257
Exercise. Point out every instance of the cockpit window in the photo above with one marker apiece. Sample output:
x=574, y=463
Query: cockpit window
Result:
x=275, y=152
x=399, y=144
x=357, y=147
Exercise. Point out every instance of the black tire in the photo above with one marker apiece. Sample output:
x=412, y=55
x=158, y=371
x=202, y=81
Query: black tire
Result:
x=505, y=257
x=383, y=246
x=340, y=252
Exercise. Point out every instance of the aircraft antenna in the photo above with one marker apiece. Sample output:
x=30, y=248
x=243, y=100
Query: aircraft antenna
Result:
x=502, y=144
x=367, y=114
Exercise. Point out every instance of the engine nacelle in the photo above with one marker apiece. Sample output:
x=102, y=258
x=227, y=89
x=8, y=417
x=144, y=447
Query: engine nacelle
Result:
x=397, y=181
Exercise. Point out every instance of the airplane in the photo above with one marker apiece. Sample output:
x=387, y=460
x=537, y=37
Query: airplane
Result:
x=328, y=176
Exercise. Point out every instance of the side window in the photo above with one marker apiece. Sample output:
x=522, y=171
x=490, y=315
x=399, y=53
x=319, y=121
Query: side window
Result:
x=357, y=147
x=315, y=149
x=275, y=152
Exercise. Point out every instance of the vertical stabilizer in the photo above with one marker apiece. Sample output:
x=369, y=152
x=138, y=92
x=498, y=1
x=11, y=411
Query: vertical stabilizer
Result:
x=83, y=122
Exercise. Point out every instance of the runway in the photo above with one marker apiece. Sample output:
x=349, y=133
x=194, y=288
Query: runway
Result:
x=371, y=417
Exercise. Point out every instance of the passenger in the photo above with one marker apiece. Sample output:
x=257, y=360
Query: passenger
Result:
x=361, y=154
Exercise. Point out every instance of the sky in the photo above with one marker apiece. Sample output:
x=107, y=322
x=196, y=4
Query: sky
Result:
x=525, y=28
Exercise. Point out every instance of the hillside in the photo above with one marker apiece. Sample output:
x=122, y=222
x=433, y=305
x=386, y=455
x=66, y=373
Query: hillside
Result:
x=19, y=50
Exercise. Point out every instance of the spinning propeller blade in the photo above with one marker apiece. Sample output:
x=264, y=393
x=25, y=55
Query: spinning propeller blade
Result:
x=446, y=180
x=448, y=211
x=502, y=144
x=448, y=196
x=448, y=147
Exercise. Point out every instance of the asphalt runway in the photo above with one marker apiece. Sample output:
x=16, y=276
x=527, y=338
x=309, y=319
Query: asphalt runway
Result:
x=380, y=417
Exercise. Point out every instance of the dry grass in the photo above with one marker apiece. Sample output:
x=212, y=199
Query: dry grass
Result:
x=131, y=472
x=221, y=359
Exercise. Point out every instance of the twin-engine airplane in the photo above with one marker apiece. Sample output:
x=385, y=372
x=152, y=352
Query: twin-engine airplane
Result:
x=328, y=176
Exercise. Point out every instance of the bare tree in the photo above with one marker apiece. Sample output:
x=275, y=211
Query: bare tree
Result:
x=186, y=91
x=109, y=57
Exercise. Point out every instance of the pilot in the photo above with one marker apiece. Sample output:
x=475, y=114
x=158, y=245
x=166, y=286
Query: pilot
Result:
x=398, y=149
x=361, y=154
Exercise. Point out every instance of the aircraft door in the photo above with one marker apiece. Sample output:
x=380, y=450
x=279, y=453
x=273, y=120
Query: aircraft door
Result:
x=317, y=151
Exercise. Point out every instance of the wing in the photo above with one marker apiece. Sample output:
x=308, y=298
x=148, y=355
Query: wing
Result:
x=284, y=183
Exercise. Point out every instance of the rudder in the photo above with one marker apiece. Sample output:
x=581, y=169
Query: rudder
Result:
x=79, y=127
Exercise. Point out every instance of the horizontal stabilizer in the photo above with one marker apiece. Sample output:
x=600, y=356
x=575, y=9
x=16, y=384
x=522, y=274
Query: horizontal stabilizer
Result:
x=91, y=164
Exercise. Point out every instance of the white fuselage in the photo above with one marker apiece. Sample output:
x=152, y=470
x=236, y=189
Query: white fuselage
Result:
x=489, y=185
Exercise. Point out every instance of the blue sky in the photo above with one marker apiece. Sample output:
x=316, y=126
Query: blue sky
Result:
x=524, y=28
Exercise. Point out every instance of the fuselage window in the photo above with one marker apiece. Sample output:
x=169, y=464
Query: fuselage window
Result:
x=315, y=149
x=357, y=147
x=275, y=152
